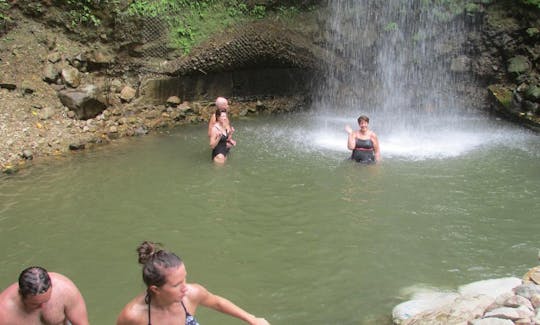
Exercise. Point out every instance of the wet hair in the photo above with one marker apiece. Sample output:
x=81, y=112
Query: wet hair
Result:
x=34, y=281
x=363, y=118
x=155, y=260
x=219, y=111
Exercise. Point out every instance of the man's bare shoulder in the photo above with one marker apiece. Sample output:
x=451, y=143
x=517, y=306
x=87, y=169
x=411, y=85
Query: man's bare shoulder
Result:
x=61, y=280
x=7, y=295
x=8, y=305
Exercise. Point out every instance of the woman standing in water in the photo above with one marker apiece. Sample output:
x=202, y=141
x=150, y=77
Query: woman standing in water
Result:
x=221, y=137
x=169, y=299
x=363, y=143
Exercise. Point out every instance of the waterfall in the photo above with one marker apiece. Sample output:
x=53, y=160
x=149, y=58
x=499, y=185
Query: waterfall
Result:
x=391, y=60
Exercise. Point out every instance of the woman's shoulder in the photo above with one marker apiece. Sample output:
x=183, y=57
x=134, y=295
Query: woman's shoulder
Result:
x=134, y=312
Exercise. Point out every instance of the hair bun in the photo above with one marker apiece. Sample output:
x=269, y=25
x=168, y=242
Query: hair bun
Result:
x=147, y=250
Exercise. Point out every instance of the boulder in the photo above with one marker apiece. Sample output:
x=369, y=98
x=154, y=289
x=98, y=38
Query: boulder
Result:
x=84, y=102
x=518, y=65
x=492, y=287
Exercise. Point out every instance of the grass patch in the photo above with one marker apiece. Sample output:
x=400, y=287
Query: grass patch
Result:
x=191, y=22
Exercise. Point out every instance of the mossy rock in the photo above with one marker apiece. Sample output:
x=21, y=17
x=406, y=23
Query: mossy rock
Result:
x=533, y=93
x=533, y=31
x=502, y=93
x=518, y=65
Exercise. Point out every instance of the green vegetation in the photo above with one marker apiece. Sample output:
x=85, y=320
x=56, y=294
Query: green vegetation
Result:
x=81, y=12
x=3, y=8
x=190, y=22
x=446, y=10
x=532, y=2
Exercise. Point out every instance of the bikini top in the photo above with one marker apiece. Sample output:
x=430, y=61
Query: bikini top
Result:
x=190, y=319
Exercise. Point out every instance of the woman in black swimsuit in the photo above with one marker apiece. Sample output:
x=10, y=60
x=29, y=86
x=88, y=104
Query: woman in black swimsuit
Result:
x=221, y=137
x=169, y=299
x=363, y=143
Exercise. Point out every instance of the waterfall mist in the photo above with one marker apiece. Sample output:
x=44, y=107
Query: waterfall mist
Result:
x=391, y=60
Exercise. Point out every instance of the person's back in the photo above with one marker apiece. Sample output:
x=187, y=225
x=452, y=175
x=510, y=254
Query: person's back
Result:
x=43, y=298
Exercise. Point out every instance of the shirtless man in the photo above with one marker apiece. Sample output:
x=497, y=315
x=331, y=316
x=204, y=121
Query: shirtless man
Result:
x=42, y=298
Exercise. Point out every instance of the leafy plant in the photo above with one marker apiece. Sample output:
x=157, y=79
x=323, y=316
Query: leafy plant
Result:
x=3, y=7
x=192, y=21
x=532, y=2
x=81, y=12
x=258, y=11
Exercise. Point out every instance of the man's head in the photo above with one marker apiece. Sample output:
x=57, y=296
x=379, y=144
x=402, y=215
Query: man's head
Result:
x=222, y=103
x=34, y=286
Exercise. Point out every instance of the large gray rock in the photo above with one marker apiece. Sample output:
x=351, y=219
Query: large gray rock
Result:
x=492, y=287
x=470, y=302
x=519, y=64
x=492, y=321
x=85, y=103
x=422, y=302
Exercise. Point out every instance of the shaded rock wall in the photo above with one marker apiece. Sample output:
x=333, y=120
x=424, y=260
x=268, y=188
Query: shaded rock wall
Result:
x=243, y=84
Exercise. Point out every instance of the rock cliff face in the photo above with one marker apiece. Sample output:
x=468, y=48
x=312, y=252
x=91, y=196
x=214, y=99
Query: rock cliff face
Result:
x=506, y=60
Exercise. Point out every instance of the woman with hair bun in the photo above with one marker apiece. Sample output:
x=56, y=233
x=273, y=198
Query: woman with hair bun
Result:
x=169, y=298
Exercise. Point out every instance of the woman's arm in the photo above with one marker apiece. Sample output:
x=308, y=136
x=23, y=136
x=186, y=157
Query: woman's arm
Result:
x=376, y=148
x=214, y=137
x=351, y=141
x=211, y=124
x=223, y=305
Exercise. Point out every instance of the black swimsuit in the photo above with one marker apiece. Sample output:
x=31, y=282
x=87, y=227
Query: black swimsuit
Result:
x=364, y=151
x=221, y=147
x=190, y=320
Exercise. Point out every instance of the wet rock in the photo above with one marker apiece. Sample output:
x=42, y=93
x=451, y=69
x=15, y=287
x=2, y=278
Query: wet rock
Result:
x=461, y=64
x=533, y=93
x=518, y=65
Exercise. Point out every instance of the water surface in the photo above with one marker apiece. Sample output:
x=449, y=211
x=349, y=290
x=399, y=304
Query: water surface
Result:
x=288, y=228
